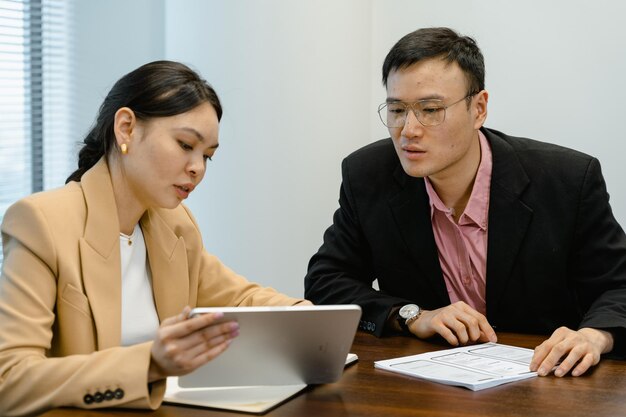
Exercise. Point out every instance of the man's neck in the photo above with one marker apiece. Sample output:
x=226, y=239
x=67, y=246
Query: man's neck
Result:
x=454, y=187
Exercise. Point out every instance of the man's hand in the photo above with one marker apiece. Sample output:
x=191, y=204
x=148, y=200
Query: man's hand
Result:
x=577, y=350
x=458, y=323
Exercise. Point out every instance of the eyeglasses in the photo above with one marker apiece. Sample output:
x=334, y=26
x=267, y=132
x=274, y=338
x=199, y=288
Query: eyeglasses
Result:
x=427, y=112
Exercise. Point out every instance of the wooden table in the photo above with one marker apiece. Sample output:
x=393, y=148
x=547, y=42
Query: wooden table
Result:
x=365, y=391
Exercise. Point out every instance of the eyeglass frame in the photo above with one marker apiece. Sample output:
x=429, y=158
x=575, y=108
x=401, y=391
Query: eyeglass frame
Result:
x=417, y=113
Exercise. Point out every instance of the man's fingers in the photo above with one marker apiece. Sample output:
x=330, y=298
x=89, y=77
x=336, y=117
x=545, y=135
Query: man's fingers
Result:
x=539, y=356
x=471, y=325
x=575, y=349
x=568, y=363
x=459, y=328
x=447, y=334
x=544, y=350
x=552, y=358
x=480, y=329
x=487, y=334
x=457, y=323
x=583, y=366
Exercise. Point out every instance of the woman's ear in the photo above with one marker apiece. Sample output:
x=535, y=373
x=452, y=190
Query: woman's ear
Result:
x=482, y=98
x=123, y=127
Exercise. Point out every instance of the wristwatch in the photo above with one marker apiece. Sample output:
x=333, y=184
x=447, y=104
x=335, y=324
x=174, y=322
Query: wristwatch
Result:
x=408, y=314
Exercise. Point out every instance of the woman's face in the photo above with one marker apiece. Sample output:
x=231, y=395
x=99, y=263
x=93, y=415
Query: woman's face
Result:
x=167, y=156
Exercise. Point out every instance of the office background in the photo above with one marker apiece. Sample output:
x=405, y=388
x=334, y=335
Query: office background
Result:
x=300, y=84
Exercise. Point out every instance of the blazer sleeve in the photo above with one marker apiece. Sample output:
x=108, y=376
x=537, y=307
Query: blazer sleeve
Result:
x=599, y=259
x=221, y=286
x=31, y=380
x=341, y=272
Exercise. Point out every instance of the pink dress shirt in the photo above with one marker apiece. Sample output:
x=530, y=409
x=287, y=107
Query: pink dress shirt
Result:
x=462, y=247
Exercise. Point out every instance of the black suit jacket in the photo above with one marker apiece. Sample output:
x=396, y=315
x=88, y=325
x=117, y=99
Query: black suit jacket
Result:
x=556, y=255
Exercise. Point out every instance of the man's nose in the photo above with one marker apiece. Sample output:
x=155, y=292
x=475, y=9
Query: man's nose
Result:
x=412, y=126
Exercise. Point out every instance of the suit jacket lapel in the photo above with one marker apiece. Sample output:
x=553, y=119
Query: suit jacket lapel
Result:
x=411, y=211
x=100, y=255
x=167, y=256
x=101, y=264
x=509, y=218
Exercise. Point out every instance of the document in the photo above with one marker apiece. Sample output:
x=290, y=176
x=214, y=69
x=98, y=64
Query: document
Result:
x=475, y=367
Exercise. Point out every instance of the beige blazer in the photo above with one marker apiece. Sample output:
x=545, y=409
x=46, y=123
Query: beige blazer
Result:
x=60, y=297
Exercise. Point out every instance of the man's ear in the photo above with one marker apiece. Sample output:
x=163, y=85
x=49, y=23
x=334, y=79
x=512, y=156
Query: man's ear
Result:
x=123, y=126
x=480, y=106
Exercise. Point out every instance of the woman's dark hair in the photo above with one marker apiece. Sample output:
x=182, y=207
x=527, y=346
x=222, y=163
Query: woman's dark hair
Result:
x=438, y=42
x=156, y=89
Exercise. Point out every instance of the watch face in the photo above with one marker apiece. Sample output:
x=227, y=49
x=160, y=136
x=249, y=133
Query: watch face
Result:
x=409, y=310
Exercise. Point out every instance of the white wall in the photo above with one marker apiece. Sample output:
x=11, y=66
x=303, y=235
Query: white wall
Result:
x=112, y=38
x=300, y=84
x=296, y=98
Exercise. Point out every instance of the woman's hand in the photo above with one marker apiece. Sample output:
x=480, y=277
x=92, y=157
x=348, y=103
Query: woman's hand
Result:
x=183, y=344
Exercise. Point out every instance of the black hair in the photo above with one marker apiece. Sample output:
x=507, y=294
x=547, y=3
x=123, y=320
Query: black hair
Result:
x=438, y=42
x=156, y=89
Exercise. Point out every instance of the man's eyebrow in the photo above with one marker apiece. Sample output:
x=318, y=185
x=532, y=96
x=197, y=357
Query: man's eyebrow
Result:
x=428, y=97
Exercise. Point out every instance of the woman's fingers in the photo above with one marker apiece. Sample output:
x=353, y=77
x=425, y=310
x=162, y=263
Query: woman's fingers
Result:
x=182, y=344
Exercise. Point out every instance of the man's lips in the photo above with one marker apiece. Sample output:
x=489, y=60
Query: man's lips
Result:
x=410, y=148
x=412, y=152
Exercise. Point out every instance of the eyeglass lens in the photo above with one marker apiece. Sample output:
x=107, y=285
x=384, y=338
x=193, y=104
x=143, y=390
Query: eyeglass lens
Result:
x=429, y=113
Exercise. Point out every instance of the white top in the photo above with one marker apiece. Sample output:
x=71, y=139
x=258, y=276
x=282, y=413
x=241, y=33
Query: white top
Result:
x=139, y=317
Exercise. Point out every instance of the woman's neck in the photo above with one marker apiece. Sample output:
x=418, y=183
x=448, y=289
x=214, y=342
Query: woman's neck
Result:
x=129, y=209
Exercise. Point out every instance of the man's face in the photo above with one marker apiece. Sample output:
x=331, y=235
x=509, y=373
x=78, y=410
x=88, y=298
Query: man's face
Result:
x=449, y=149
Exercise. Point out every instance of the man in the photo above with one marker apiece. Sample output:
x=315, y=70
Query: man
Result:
x=467, y=229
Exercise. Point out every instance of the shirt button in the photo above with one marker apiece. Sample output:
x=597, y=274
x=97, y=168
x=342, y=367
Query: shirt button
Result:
x=108, y=395
x=88, y=399
x=98, y=397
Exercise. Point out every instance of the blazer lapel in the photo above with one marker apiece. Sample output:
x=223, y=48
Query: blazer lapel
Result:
x=411, y=212
x=167, y=256
x=100, y=255
x=509, y=217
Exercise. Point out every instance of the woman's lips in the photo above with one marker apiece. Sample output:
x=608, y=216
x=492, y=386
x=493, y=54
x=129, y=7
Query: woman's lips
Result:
x=183, y=191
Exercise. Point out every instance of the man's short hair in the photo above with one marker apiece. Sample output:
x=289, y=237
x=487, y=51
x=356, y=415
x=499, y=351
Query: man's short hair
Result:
x=438, y=42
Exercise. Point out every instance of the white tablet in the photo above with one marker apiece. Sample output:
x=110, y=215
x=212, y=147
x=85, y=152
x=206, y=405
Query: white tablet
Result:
x=280, y=346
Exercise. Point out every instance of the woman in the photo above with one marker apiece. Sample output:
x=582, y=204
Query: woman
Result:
x=98, y=276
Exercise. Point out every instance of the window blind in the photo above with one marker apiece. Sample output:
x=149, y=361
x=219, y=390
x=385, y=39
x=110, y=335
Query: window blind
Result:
x=36, y=143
